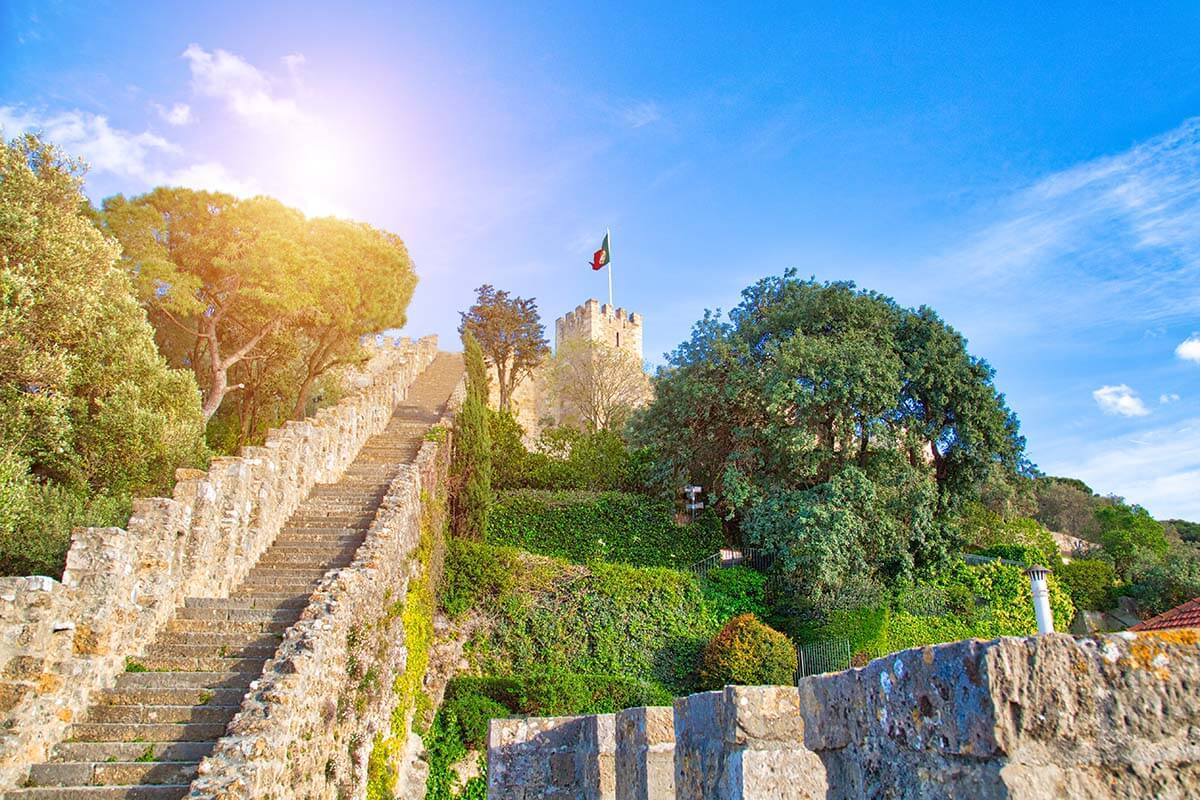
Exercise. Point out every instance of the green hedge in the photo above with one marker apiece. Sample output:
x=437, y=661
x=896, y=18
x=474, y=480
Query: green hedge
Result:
x=647, y=624
x=605, y=526
x=554, y=693
x=730, y=591
x=980, y=601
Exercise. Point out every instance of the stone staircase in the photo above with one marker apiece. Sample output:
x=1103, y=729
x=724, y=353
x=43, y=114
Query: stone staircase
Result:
x=143, y=738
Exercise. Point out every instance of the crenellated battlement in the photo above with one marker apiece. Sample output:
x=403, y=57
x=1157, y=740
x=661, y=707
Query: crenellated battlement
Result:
x=600, y=322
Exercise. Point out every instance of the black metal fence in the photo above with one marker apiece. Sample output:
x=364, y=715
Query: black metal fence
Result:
x=828, y=655
x=750, y=557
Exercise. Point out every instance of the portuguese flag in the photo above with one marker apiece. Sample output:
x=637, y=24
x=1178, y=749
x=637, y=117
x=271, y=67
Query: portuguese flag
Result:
x=600, y=257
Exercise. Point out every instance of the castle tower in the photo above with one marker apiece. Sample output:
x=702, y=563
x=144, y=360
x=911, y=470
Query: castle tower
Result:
x=600, y=322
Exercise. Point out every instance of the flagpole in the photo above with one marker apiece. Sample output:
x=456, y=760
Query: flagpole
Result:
x=608, y=235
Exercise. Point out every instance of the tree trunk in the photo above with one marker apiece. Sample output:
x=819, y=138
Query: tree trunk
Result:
x=502, y=382
x=301, y=407
x=219, y=387
x=219, y=374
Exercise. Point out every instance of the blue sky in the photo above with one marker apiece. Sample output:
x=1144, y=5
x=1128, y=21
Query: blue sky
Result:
x=1032, y=173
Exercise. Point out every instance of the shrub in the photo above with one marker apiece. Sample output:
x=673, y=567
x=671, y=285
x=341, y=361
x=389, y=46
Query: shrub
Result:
x=609, y=526
x=36, y=519
x=732, y=591
x=472, y=711
x=473, y=571
x=1090, y=582
x=1017, y=539
x=1160, y=585
x=747, y=652
x=909, y=630
x=565, y=459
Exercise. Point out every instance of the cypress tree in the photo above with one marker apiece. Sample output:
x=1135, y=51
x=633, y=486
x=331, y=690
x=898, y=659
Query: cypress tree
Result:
x=473, y=447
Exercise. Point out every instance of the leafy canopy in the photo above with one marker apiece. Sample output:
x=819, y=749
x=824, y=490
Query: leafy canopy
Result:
x=88, y=408
x=511, y=334
x=841, y=428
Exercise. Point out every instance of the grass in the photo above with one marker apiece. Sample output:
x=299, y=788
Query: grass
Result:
x=147, y=755
x=133, y=666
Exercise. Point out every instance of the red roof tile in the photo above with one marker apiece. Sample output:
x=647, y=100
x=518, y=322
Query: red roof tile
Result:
x=1183, y=616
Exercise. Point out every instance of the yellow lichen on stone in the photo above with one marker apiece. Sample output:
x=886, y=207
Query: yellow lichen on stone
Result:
x=1149, y=651
x=48, y=683
x=1174, y=635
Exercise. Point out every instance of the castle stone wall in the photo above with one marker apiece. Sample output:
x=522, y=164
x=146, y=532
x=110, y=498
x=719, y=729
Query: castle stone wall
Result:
x=1116, y=716
x=307, y=726
x=60, y=641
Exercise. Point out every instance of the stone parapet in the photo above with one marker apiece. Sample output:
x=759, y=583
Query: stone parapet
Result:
x=1052, y=716
x=61, y=641
x=307, y=727
x=1048, y=716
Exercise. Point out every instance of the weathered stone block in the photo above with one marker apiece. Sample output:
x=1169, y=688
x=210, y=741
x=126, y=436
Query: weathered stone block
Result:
x=536, y=757
x=744, y=742
x=646, y=753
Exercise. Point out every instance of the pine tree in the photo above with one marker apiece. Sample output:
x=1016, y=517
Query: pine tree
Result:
x=473, y=447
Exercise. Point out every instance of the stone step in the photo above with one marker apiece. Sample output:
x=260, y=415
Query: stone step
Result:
x=288, y=615
x=264, y=586
x=225, y=625
x=211, y=663
x=146, y=732
x=130, y=751
x=219, y=638
x=184, y=680
x=306, y=521
x=324, y=528
x=317, y=558
x=285, y=571
x=243, y=652
x=151, y=714
x=170, y=696
x=331, y=541
x=166, y=792
x=258, y=600
x=114, y=773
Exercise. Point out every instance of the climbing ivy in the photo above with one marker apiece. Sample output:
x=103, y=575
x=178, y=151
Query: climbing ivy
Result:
x=602, y=526
x=606, y=619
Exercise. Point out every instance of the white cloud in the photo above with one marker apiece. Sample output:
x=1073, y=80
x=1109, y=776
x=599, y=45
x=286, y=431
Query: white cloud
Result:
x=144, y=158
x=641, y=114
x=1122, y=231
x=293, y=62
x=178, y=114
x=1120, y=400
x=1189, y=348
x=1159, y=469
x=210, y=176
x=90, y=137
x=1168, y=398
x=243, y=88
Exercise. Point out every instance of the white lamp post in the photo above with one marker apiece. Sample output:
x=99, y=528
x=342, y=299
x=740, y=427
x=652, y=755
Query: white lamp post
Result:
x=1041, y=598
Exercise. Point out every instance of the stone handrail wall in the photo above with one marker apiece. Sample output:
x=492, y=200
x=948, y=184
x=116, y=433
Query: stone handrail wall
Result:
x=60, y=641
x=307, y=726
x=1051, y=716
